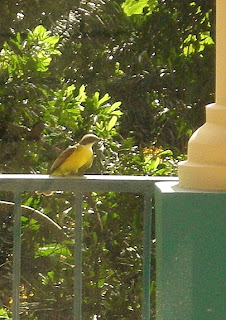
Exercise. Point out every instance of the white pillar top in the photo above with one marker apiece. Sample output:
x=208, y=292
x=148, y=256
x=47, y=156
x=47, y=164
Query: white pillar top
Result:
x=221, y=52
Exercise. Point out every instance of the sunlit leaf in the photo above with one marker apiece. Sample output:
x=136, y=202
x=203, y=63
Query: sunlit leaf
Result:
x=52, y=250
x=131, y=7
x=112, y=123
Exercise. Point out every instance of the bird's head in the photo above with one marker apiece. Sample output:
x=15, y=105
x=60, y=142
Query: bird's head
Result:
x=89, y=139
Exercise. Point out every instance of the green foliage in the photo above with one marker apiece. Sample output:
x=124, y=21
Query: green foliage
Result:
x=78, y=112
x=193, y=43
x=24, y=66
x=64, y=111
x=156, y=44
x=32, y=55
x=5, y=315
x=131, y=7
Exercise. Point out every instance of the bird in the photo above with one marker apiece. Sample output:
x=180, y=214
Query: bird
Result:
x=74, y=160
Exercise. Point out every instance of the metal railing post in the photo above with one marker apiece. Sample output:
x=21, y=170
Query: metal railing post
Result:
x=146, y=280
x=16, y=256
x=77, y=314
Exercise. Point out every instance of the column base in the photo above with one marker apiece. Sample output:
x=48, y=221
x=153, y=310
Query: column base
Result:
x=202, y=176
x=206, y=165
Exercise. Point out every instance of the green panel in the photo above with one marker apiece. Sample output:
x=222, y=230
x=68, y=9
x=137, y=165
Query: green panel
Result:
x=191, y=268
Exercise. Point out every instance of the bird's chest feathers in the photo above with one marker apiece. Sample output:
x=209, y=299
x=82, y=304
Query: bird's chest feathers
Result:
x=82, y=156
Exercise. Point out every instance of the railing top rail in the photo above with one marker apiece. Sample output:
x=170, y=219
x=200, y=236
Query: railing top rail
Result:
x=88, y=183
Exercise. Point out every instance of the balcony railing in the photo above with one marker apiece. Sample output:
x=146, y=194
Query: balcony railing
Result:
x=19, y=183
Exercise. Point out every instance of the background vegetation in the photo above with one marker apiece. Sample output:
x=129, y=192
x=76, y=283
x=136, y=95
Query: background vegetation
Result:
x=136, y=73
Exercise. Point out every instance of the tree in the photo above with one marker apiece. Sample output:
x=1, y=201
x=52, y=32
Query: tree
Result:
x=145, y=52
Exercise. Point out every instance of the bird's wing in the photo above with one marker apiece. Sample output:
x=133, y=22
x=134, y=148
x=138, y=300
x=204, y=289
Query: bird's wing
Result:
x=62, y=157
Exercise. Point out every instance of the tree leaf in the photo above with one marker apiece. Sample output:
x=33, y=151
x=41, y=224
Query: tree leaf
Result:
x=112, y=123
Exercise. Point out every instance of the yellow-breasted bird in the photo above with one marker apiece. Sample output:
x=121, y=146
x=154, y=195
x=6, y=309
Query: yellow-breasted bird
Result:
x=74, y=160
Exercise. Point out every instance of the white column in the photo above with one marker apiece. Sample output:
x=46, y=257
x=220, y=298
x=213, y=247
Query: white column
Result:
x=221, y=52
x=206, y=164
